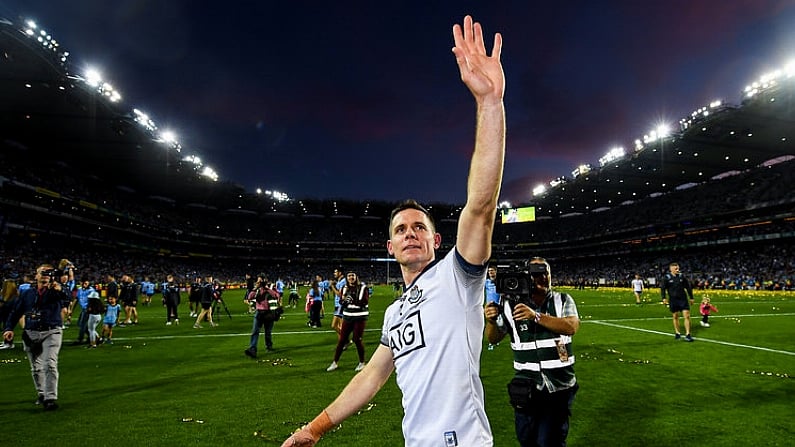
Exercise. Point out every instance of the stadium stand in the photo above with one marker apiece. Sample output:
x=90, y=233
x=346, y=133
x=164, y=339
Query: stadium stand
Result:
x=715, y=196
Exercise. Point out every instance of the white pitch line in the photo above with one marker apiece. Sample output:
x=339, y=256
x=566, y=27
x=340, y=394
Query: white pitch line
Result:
x=700, y=339
x=205, y=335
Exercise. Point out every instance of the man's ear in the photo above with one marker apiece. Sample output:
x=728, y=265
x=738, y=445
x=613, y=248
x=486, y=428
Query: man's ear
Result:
x=437, y=240
x=389, y=247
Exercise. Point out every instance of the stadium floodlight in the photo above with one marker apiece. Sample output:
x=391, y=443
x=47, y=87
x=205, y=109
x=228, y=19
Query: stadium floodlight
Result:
x=144, y=120
x=31, y=24
x=660, y=132
x=209, y=173
x=612, y=155
x=504, y=204
x=92, y=77
x=581, y=169
x=557, y=181
x=168, y=136
x=258, y=190
x=538, y=190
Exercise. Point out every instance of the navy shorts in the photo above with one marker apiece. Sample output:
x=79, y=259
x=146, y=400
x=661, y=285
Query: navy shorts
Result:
x=678, y=305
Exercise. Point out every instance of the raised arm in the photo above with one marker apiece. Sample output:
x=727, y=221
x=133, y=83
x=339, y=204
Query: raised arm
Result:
x=483, y=75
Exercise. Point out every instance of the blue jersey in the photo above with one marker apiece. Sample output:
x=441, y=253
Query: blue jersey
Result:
x=112, y=313
x=148, y=288
x=491, y=292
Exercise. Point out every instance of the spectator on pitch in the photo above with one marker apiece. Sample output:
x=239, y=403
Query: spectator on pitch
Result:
x=171, y=299
x=541, y=325
x=147, y=290
x=207, y=299
x=9, y=293
x=336, y=287
x=266, y=303
x=43, y=332
x=128, y=295
x=706, y=308
x=433, y=335
x=679, y=293
x=314, y=300
x=195, y=292
x=490, y=290
x=94, y=310
x=354, y=303
x=111, y=319
x=637, y=288
x=81, y=299
x=111, y=288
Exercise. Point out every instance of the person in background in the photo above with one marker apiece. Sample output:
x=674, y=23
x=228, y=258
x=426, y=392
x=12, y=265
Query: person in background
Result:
x=9, y=293
x=354, y=301
x=43, y=333
x=637, y=288
x=491, y=292
x=111, y=319
x=315, y=302
x=541, y=326
x=336, y=287
x=94, y=309
x=266, y=302
x=81, y=298
x=171, y=300
x=147, y=291
x=679, y=292
x=706, y=308
x=432, y=335
x=207, y=299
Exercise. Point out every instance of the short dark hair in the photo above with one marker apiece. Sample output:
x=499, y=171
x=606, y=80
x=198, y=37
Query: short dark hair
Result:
x=413, y=205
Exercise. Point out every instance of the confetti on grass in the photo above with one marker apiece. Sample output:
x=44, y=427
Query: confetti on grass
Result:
x=191, y=420
x=769, y=374
x=276, y=362
x=7, y=361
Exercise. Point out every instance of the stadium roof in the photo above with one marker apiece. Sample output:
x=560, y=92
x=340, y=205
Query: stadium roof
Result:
x=730, y=139
x=43, y=103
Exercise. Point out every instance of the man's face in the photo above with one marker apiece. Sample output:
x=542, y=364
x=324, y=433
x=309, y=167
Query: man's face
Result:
x=337, y=274
x=492, y=273
x=541, y=280
x=412, y=239
x=674, y=269
x=351, y=278
x=85, y=284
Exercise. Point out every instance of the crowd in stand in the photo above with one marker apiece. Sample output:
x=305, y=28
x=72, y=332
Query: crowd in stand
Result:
x=735, y=232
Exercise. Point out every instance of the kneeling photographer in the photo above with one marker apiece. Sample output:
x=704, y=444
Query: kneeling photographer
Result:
x=43, y=331
x=540, y=323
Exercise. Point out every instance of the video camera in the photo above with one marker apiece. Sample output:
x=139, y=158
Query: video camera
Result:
x=53, y=273
x=516, y=284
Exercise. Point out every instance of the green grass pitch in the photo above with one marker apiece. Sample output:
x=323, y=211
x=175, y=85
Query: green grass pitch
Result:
x=177, y=386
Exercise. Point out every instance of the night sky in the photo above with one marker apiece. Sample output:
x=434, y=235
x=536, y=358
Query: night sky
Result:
x=362, y=100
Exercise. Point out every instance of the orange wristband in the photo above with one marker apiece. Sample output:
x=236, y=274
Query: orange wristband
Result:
x=320, y=425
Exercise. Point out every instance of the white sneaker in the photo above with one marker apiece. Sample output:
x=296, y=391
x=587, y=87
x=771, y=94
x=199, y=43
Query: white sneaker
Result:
x=332, y=367
x=703, y=324
x=168, y=323
x=176, y=321
x=359, y=367
x=7, y=345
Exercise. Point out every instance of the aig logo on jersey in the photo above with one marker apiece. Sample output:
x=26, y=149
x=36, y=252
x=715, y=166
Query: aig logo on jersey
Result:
x=407, y=336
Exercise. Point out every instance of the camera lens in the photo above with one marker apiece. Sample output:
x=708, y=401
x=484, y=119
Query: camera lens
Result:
x=511, y=283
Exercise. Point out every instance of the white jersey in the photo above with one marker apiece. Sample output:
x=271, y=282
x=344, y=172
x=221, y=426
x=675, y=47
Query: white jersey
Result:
x=435, y=332
x=637, y=285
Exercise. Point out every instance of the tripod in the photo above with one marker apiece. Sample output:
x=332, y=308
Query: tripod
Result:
x=220, y=302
